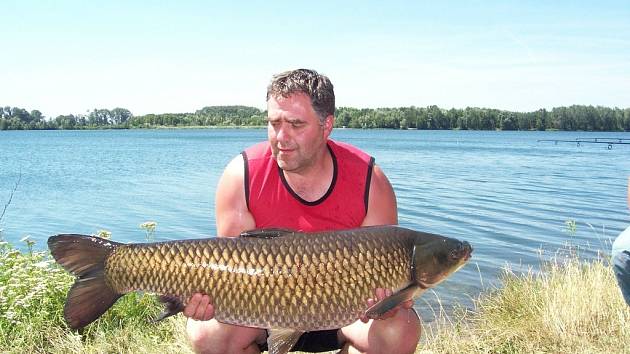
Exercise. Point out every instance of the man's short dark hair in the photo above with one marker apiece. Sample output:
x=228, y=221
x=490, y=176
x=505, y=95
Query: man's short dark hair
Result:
x=318, y=87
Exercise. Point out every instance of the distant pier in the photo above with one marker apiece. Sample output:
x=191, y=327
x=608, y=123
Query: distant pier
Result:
x=579, y=141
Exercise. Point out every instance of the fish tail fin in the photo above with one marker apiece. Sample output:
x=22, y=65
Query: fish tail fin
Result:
x=84, y=256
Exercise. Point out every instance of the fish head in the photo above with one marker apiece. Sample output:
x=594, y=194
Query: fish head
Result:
x=436, y=257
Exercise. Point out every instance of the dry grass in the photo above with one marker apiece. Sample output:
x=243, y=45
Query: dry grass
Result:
x=570, y=307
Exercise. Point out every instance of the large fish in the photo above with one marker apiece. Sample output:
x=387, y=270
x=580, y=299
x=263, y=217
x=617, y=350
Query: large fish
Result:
x=288, y=282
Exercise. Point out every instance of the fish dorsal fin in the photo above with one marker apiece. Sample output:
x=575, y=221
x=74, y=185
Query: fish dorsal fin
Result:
x=281, y=340
x=380, y=308
x=266, y=233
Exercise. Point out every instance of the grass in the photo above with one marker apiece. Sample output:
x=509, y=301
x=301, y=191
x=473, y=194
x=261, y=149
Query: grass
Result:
x=572, y=307
x=32, y=295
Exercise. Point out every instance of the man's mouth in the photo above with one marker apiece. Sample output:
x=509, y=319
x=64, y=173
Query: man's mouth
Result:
x=285, y=150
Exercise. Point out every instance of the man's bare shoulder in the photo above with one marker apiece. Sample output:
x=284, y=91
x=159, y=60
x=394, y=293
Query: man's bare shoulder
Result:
x=232, y=214
x=382, y=208
x=236, y=167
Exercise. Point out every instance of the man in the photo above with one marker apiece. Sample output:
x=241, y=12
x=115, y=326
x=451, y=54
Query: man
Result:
x=621, y=258
x=301, y=180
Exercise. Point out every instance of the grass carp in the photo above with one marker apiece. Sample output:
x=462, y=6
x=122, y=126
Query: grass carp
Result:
x=285, y=281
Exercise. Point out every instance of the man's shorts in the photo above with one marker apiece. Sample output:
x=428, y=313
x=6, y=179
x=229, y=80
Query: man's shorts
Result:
x=314, y=342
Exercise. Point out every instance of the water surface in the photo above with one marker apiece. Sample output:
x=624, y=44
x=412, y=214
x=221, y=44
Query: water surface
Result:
x=507, y=194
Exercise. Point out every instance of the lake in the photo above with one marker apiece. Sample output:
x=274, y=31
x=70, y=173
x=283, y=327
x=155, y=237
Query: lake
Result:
x=506, y=193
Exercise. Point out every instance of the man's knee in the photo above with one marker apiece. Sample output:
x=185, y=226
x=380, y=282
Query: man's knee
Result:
x=398, y=334
x=402, y=332
x=214, y=337
x=200, y=335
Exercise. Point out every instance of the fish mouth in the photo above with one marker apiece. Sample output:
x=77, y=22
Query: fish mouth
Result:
x=462, y=252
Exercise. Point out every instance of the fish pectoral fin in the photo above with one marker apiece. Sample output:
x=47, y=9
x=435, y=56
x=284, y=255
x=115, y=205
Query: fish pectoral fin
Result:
x=266, y=233
x=172, y=306
x=281, y=340
x=380, y=308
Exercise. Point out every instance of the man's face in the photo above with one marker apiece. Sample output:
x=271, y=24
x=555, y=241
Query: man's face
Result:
x=295, y=132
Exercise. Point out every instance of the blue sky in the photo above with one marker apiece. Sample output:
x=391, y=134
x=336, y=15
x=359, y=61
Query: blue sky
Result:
x=64, y=57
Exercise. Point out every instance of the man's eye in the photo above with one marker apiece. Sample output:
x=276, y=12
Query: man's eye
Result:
x=297, y=124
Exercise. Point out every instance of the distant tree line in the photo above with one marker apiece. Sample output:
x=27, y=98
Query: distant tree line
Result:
x=577, y=117
x=587, y=118
x=219, y=116
x=13, y=118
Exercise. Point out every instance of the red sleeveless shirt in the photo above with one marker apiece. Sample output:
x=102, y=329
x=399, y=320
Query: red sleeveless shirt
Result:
x=274, y=204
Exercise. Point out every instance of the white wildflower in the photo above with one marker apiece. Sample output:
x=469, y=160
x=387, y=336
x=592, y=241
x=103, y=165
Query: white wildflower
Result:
x=43, y=264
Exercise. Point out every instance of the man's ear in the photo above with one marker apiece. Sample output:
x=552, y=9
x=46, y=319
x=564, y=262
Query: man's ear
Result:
x=329, y=122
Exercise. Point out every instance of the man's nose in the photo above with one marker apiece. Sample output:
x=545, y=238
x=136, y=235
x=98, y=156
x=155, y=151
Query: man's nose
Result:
x=282, y=132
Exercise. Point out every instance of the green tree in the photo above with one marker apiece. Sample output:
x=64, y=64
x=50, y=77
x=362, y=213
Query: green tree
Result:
x=120, y=115
x=99, y=117
x=541, y=119
x=507, y=121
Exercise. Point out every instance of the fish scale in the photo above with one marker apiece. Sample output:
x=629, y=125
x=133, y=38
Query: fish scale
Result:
x=266, y=283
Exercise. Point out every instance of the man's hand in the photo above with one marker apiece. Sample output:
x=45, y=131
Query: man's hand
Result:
x=380, y=294
x=199, y=308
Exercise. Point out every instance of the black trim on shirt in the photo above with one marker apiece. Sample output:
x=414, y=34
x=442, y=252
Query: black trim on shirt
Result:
x=246, y=178
x=328, y=192
x=366, y=195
